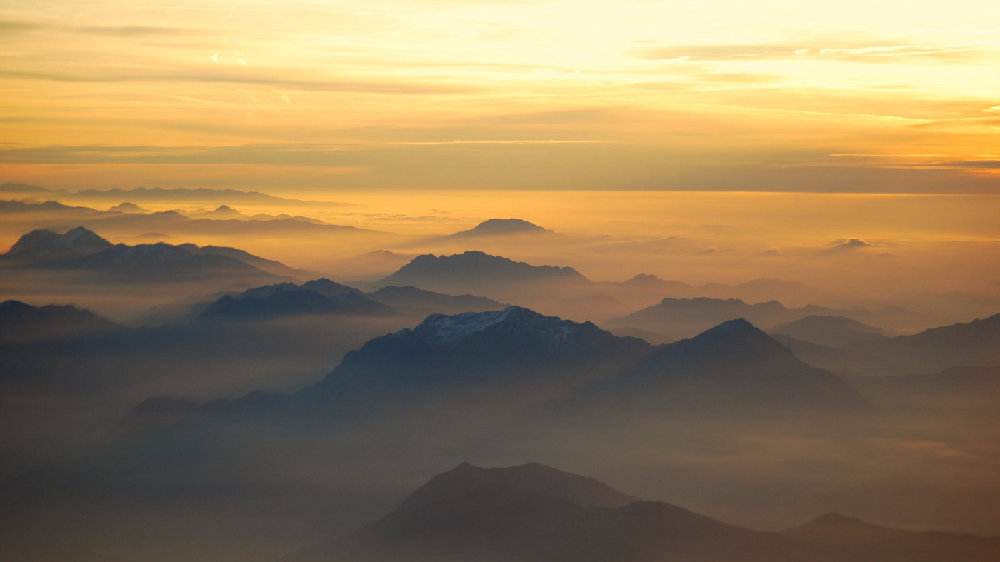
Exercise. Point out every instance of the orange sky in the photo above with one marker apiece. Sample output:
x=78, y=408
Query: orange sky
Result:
x=300, y=94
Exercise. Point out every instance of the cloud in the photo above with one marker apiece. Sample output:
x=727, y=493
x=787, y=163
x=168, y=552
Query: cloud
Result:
x=854, y=51
x=216, y=75
x=22, y=26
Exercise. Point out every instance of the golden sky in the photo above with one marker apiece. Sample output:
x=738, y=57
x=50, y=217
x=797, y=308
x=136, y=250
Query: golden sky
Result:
x=691, y=94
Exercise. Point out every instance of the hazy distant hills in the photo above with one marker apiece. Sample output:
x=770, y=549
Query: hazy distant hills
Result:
x=320, y=296
x=535, y=513
x=419, y=302
x=477, y=272
x=21, y=322
x=675, y=318
x=833, y=331
x=130, y=219
x=82, y=250
x=972, y=343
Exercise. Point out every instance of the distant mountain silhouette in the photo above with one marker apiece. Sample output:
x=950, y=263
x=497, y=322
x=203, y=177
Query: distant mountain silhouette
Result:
x=675, y=318
x=832, y=331
x=180, y=194
x=733, y=367
x=320, y=296
x=536, y=513
x=647, y=282
x=46, y=246
x=854, y=539
x=501, y=227
x=418, y=302
x=516, y=358
x=21, y=322
x=502, y=352
x=82, y=250
x=126, y=207
x=131, y=220
x=975, y=343
x=474, y=270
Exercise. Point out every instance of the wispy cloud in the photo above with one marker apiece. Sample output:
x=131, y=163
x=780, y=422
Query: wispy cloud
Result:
x=867, y=52
x=244, y=77
x=8, y=27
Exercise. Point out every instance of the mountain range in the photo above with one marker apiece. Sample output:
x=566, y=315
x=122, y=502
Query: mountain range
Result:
x=517, y=360
x=320, y=296
x=478, y=272
x=82, y=250
x=534, y=513
x=962, y=344
x=676, y=318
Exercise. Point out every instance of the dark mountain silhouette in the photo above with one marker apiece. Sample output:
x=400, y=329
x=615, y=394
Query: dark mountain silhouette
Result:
x=975, y=343
x=82, y=250
x=474, y=270
x=832, y=331
x=516, y=358
x=320, y=296
x=504, y=352
x=127, y=219
x=418, y=302
x=46, y=246
x=501, y=227
x=21, y=322
x=675, y=318
x=733, y=367
x=532, y=513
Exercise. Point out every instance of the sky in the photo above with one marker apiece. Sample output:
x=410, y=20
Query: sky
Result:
x=304, y=95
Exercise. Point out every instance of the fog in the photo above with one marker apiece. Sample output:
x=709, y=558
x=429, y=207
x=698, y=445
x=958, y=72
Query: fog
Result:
x=174, y=437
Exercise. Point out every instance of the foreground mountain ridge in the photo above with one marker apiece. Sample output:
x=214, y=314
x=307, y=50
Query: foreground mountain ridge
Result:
x=540, y=514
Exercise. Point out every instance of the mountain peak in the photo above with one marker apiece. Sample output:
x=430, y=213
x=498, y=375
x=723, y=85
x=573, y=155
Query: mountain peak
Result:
x=502, y=227
x=43, y=245
x=510, y=483
x=473, y=269
x=441, y=329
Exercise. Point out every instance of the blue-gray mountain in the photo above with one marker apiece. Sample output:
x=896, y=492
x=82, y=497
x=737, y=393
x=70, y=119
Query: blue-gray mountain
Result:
x=21, y=322
x=320, y=296
x=515, y=359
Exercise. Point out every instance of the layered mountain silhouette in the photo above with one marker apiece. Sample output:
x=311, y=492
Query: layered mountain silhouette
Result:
x=21, y=322
x=536, y=513
x=500, y=353
x=320, y=296
x=975, y=343
x=477, y=272
x=501, y=227
x=516, y=358
x=82, y=250
x=419, y=302
x=675, y=318
x=128, y=219
x=832, y=331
